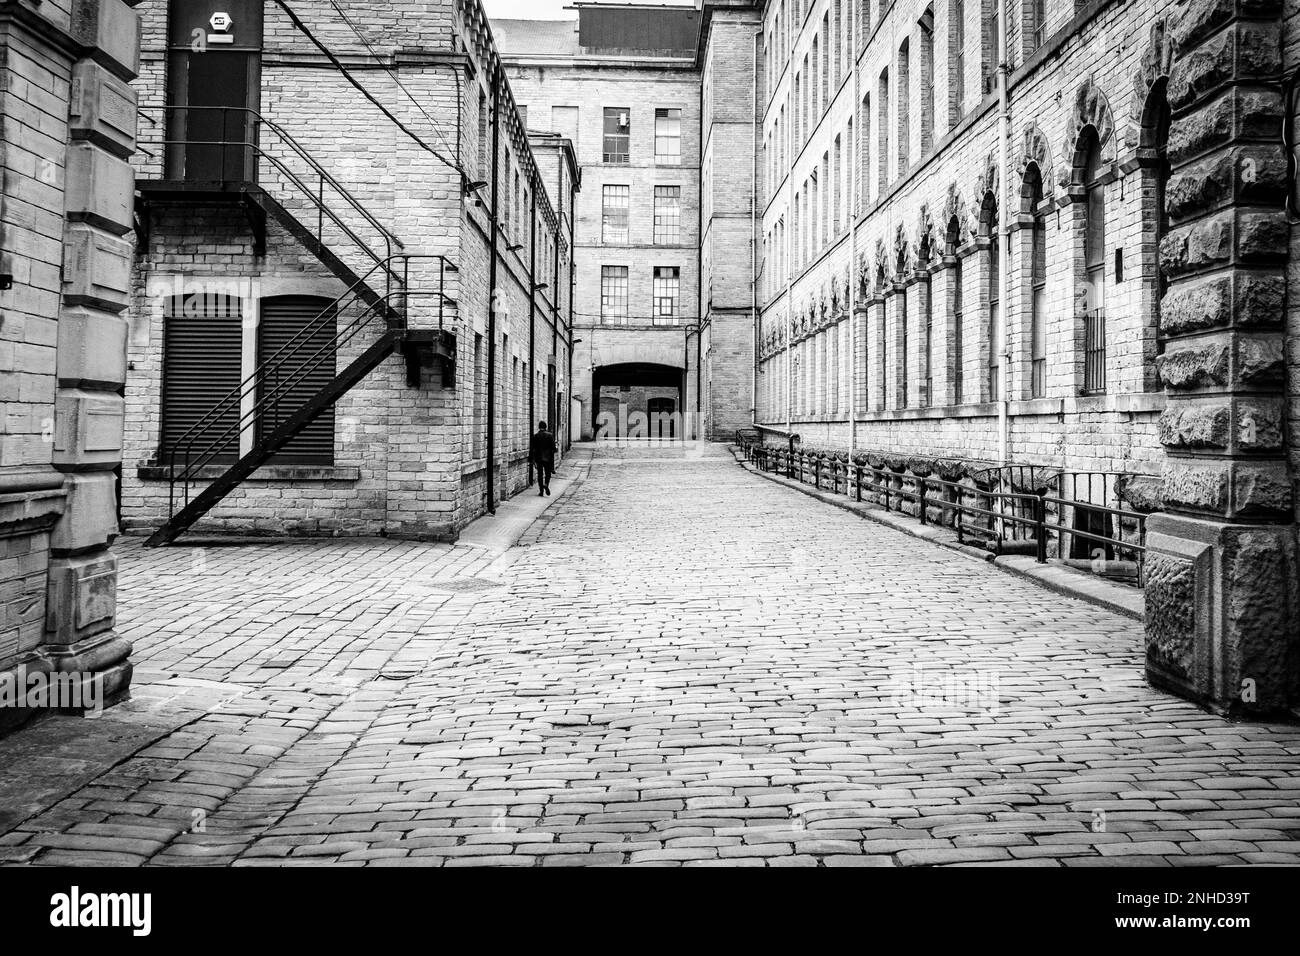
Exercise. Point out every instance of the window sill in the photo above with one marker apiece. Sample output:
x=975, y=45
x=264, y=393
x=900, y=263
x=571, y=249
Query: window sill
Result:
x=268, y=473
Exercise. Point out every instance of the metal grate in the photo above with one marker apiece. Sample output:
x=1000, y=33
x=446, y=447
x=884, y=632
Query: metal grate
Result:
x=1094, y=352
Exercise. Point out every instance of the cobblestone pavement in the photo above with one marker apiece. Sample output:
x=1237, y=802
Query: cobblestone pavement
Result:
x=686, y=664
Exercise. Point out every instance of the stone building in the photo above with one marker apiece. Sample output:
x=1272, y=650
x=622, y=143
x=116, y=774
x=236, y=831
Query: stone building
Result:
x=632, y=113
x=652, y=97
x=352, y=291
x=65, y=222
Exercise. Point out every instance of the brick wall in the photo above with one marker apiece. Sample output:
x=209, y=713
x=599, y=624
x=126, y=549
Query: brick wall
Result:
x=409, y=461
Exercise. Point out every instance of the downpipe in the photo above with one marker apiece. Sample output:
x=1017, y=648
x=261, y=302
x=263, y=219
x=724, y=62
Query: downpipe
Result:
x=1004, y=219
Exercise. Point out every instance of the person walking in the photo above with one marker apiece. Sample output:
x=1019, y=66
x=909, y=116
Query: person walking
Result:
x=541, y=453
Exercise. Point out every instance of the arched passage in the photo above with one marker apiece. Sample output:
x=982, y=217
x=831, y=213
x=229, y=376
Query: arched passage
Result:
x=638, y=400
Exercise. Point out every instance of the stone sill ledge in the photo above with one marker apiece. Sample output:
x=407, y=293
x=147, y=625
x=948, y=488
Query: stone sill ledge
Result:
x=270, y=473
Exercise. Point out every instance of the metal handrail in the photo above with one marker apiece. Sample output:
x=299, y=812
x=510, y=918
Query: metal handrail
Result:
x=316, y=198
x=1019, y=509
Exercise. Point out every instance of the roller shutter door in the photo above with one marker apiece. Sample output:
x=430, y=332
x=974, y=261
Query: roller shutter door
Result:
x=201, y=366
x=283, y=317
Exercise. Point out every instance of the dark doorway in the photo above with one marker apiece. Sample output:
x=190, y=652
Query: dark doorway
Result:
x=663, y=423
x=637, y=400
x=1092, y=522
x=211, y=131
x=214, y=77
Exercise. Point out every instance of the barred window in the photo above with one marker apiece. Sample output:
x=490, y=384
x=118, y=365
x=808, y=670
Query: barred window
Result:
x=614, y=214
x=613, y=294
x=667, y=292
x=668, y=215
x=618, y=134
x=668, y=137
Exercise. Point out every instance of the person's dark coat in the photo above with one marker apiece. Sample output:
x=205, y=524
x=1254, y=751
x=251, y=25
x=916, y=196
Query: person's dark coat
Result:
x=542, y=450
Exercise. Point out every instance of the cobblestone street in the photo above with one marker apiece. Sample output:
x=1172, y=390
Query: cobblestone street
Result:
x=681, y=663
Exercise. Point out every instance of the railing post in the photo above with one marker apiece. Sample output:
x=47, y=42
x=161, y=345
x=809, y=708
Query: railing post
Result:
x=1040, y=528
x=924, y=506
x=857, y=482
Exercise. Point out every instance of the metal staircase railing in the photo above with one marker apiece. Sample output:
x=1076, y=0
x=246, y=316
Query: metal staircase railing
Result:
x=204, y=442
x=310, y=186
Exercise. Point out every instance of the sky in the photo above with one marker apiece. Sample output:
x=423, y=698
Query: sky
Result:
x=546, y=9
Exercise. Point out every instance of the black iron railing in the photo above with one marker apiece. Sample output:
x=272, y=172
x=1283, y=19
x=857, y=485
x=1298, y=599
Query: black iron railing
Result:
x=1074, y=518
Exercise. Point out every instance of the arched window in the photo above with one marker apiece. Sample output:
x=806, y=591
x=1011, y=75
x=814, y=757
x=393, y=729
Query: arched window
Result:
x=904, y=377
x=958, y=359
x=1032, y=195
x=1094, y=264
x=927, y=318
x=1155, y=143
x=993, y=334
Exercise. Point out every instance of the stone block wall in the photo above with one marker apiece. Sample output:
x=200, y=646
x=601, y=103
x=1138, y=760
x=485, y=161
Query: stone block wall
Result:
x=65, y=224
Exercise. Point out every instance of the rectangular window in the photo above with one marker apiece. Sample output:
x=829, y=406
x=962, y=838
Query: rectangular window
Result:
x=882, y=128
x=668, y=137
x=614, y=215
x=618, y=134
x=989, y=52
x=476, y=425
x=505, y=206
x=904, y=94
x=484, y=138
x=518, y=214
x=668, y=215
x=613, y=295
x=926, y=52
x=957, y=36
x=667, y=292
x=1039, y=25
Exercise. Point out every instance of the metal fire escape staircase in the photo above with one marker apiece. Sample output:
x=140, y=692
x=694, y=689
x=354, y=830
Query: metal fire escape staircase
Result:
x=267, y=173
